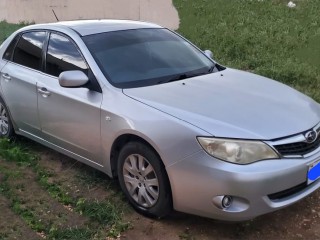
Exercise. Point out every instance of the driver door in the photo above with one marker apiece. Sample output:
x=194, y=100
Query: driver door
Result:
x=69, y=117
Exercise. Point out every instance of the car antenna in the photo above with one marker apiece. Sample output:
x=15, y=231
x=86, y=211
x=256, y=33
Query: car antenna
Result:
x=55, y=15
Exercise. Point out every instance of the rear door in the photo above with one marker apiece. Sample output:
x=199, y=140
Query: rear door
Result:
x=69, y=117
x=19, y=77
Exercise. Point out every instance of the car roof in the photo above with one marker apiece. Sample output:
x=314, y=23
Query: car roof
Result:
x=89, y=27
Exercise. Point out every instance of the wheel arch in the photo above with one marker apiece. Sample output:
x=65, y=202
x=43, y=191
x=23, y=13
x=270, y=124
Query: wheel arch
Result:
x=122, y=140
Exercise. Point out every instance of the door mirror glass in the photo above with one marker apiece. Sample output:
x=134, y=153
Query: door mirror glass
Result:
x=208, y=53
x=73, y=79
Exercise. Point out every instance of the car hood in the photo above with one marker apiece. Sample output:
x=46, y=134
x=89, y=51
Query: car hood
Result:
x=233, y=104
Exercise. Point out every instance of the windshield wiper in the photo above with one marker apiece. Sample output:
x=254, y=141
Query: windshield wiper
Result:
x=175, y=78
x=182, y=76
x=179, y=77
x=211, y=68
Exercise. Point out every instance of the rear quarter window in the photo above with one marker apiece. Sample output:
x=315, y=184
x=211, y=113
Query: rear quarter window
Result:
x=9, y=52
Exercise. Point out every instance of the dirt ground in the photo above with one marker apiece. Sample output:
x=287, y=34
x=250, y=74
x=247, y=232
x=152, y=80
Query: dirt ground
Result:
x=299, y=221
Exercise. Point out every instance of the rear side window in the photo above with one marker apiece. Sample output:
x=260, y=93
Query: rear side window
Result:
x=28, y=51
x=63, y=55
x=9, y=52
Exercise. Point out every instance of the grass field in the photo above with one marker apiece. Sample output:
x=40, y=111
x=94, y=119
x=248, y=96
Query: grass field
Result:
x=262, y=36
x=265, y=37
x=6, y=29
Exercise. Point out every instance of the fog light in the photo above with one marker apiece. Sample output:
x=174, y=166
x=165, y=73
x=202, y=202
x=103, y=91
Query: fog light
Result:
x=223, y=201
x=231, y=204
x=226, y=201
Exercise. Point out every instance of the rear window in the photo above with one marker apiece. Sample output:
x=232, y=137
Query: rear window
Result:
x=28, y=51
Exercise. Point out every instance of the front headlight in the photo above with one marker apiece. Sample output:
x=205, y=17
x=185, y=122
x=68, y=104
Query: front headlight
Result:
x=237, y=151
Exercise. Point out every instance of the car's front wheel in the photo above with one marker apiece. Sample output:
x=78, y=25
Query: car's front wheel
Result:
x=6, y=128
x=144, y=181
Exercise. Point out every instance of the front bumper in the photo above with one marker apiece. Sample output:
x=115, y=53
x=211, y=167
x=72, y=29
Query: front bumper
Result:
x=258, y=188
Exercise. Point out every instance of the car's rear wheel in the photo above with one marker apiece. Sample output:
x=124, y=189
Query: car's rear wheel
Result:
x=6, y=128
x=144, y=181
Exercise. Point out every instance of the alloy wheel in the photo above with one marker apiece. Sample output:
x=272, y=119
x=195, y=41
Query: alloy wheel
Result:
x=141, y=180
x=4, y=121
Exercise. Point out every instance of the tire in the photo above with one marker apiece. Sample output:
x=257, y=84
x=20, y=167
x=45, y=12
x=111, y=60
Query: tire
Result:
x=6, y=127
x=144, y=181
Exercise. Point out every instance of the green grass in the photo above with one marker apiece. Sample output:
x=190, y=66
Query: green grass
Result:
x=102, y=212
x=105, y=215
x=53, y=189
x=17, y=152
x=6, y=29
x=265, y=37
x=26, y=214
x=75, y=234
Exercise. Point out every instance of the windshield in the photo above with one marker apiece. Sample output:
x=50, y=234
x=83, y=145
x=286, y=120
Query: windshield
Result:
x=143, y=57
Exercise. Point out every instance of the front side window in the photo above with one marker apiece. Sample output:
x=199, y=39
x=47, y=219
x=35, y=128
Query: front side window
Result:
x=142, y=57
x=63, y=55
x=28, y=51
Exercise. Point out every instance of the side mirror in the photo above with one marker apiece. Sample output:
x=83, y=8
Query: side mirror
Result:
x=73, y=79
x=208, y=53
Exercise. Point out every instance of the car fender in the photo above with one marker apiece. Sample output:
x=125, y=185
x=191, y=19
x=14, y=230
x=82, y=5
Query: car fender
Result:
x=173, y=139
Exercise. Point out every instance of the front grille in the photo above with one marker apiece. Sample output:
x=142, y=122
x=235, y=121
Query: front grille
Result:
x=298, y=148
x=288, y=192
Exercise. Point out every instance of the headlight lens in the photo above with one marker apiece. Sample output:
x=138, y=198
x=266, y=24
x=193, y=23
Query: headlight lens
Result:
x=237, y=151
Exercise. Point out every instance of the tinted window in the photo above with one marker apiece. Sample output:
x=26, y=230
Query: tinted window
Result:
x=63, y=55
x=9, y=52
x=29, y=50
x=141, y=57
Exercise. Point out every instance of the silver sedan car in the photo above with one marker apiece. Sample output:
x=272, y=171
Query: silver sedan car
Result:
x=180, y=131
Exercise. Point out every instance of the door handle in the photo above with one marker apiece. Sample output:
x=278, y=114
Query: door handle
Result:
x=6, y=77
x=44, y=92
